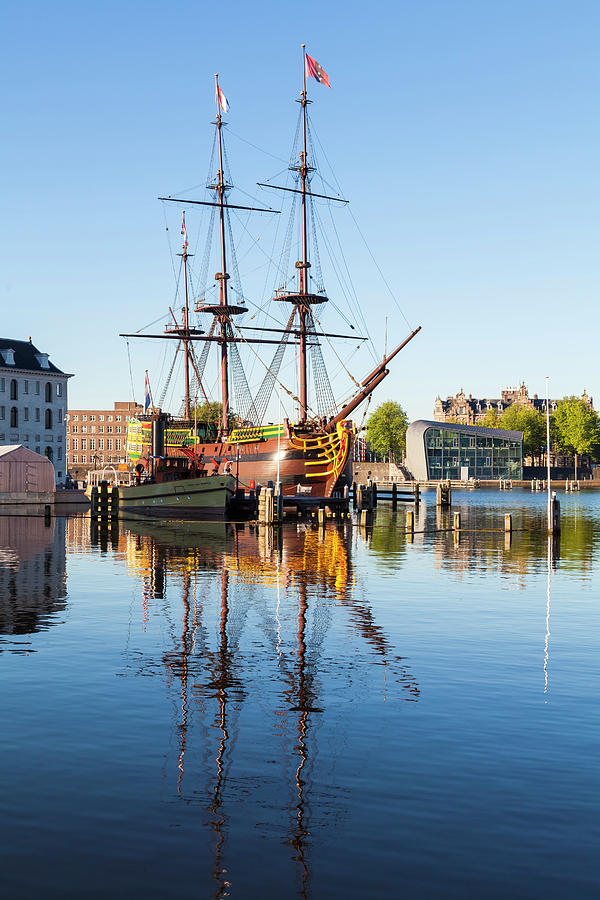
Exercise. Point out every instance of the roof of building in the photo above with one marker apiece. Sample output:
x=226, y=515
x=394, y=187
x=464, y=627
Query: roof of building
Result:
x=419, y=428
x=483, y=403
x=18, y=451
x=26, y=357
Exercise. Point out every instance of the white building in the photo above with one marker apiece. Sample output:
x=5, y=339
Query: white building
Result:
x=33, y=402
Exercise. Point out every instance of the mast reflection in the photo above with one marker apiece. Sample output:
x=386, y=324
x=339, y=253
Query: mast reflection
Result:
x=308, y=574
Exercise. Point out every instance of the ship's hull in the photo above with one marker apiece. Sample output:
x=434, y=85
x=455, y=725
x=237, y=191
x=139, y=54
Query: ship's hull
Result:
x=305, y=462
x=197, y=498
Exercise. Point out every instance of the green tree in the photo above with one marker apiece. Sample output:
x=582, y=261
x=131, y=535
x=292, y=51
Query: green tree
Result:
x=207, y=412
x=531, y=422
x=492, y=419
x=210, y=414
x=576, y=427
x=386, y=429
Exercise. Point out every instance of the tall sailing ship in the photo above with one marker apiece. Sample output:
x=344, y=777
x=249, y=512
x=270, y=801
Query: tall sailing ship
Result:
x=308, y=456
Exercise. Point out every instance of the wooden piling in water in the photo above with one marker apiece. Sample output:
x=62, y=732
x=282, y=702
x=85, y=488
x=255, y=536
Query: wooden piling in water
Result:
x=114, y=502
x=266, y=506
x=554, y=522
x=443, y=494
x=508, y=523
x=457, y=521
x=410, y=521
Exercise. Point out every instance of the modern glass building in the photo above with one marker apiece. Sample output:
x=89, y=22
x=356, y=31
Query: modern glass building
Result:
x=442, y=450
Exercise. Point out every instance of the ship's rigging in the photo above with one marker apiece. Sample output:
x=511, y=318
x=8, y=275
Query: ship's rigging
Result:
x=304, y=290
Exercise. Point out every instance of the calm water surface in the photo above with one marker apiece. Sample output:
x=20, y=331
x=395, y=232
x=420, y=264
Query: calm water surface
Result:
x=211, y=710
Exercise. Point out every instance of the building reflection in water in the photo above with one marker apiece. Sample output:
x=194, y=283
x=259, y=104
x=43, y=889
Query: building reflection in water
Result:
x=33, y=579
x=482, y=546
x=301, y=569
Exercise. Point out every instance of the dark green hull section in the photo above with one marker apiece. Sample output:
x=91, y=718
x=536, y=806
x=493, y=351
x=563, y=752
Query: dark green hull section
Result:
x=200, y=498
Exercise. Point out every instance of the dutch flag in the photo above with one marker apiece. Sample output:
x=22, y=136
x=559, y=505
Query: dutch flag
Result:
x=146, y=394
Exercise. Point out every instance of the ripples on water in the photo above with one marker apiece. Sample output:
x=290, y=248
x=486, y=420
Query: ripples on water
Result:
x=216, y=710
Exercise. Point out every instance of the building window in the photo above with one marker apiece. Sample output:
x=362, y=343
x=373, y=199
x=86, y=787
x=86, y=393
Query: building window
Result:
x=117, y=418
x=2, y=385
x=109, y=444
x=101, y=418
x=75, y=444
x=14, y=390
x=73, y=429
x=75, y=418
x=118, y=444
x=84, y=459
x=48, y=418
x=14, y=417
x=60, y=416
x=59, y=388
x=92, y=444
x=49, y=453
x=26, y=414
x=2, y=412
x=74, y=459
x=100, y=429
x=84, y=429
x=26, y=386
x=37, y=387
x=37, y=449
x=83, y=444
x=100, y=444
x=93, y=429
x=109, y=429
x=84, y=418
x=48, y=392
x=59, y=453
x=37, y=414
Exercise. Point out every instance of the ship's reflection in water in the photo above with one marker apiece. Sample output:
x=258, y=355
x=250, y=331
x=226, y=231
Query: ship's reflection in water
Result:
x=223, y=710
x=33, y=582
x=215, y=583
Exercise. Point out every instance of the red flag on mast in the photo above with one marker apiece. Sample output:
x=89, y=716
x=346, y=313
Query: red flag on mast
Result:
x=184, y=229
x=222, y=100
x=316, y=71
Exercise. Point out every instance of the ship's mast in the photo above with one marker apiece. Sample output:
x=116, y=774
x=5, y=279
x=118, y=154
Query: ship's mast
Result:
x=186, y=328
x=304, y=264
x=222, y=276
x=184, y=332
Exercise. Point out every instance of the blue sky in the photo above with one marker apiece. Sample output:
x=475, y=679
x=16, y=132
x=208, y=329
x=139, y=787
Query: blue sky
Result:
x=465, y=135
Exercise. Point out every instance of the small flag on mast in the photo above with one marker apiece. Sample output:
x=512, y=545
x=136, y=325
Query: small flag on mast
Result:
x=146, y=395
x=184, y=230
x=316, y=71
x=222, y=100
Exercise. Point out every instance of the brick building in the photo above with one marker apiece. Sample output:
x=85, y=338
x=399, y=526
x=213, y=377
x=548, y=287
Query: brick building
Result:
x=98, y=437
x=472, y=410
